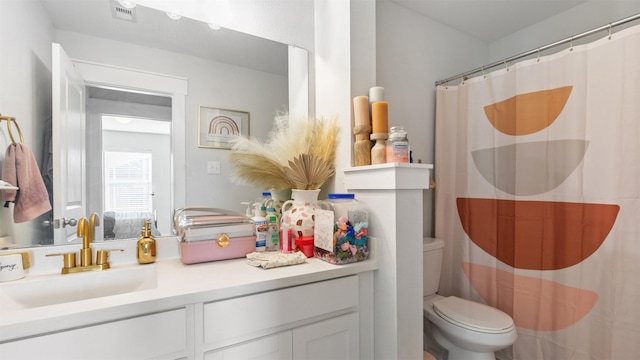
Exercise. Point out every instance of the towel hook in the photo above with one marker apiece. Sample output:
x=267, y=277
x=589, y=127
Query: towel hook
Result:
x=10, y=119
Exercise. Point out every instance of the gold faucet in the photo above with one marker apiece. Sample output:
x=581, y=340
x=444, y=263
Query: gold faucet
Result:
x=87, y=231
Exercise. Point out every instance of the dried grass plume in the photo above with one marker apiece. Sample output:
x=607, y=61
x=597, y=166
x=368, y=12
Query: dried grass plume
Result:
x=296, y=155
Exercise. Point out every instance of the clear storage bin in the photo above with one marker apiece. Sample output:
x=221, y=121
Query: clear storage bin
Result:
x=350, y=240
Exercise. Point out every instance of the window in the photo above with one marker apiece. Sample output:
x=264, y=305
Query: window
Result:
x=127, y=178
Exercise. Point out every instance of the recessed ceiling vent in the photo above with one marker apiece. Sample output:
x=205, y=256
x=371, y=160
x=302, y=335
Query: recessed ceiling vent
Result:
x=120, y=12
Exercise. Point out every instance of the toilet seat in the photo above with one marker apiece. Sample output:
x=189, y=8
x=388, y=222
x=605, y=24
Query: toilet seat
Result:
x=473, y=316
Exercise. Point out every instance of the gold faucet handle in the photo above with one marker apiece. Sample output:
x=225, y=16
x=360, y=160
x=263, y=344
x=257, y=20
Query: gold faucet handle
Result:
x=68, y=261
x=102, y=256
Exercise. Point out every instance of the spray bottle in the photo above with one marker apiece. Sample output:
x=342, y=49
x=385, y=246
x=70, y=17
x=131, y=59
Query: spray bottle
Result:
x=261, y=228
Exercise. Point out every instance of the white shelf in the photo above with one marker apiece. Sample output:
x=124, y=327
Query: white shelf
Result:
x=390, y=176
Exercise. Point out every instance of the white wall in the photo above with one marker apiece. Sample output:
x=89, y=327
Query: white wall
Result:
x=25, y=88
x=413, y=52
x=579, y=19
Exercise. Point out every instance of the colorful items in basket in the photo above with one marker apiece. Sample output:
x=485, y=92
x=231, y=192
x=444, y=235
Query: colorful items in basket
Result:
x=350, y=239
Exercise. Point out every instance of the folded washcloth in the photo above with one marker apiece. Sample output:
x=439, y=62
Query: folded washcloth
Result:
x=271, y=259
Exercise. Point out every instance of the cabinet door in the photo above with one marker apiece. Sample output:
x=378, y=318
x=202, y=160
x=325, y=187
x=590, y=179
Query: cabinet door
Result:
x=158, y=336
x=334, y=339
x=274, y=347
x=226, y=320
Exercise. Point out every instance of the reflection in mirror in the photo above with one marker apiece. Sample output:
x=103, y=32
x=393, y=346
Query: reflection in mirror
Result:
x=222, y=68
x=131, y=132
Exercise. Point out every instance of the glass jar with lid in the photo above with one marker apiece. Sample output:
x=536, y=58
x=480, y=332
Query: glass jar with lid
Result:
x=397, y=145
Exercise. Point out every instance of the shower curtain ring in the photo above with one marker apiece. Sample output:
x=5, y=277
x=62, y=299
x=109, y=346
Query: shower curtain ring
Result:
x=538, y=55
x=571, y=44
x=506, y=66
x=484, y=74
x=609, y=31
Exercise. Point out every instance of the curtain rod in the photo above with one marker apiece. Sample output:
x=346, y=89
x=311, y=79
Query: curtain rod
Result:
x=542, y=48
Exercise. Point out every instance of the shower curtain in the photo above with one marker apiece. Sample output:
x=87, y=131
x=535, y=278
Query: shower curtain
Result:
x=538, y=197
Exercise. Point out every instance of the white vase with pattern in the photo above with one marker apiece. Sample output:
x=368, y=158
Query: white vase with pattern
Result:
x=301, y=211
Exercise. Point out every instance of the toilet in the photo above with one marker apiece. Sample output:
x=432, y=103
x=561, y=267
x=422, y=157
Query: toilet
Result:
x=467, y=330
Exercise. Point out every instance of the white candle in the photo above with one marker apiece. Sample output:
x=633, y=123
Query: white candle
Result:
x=376, y=94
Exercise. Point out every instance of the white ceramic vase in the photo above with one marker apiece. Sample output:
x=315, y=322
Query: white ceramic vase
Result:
x=301, y=211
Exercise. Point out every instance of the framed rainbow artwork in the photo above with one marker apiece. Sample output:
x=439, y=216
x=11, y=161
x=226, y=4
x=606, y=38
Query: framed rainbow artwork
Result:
x=217, y=127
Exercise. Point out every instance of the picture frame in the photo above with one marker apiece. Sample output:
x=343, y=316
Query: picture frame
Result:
x=217, y=127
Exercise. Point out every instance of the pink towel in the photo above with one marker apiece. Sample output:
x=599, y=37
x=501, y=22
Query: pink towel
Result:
x=20, y=168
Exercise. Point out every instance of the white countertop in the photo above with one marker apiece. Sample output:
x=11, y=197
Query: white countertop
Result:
x=177, y=285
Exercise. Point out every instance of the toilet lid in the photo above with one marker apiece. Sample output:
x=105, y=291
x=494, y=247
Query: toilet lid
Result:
x=473, y=316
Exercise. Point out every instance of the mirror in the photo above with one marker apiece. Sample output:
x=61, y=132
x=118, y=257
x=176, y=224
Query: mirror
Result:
x=221, y=69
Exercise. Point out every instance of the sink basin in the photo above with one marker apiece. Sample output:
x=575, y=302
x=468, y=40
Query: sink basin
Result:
x=57, y=289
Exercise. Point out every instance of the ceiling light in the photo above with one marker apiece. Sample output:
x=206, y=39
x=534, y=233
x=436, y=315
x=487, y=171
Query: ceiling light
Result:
x=173, y=15
x=214, y=26
x=127, y=4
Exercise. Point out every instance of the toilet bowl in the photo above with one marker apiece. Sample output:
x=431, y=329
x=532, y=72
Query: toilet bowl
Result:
x=466, y=329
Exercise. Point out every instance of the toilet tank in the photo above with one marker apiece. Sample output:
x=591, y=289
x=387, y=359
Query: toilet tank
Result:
x=433, y=250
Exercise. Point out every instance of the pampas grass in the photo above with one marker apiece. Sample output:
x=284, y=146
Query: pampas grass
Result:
x=308, y=172
x=297, y=155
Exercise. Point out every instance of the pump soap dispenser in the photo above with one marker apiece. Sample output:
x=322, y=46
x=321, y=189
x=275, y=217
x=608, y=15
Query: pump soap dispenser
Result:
x=146, y=245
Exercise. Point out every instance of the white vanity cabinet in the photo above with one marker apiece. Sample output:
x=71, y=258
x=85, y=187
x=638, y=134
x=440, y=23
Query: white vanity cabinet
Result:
x=163, y=335
x=311, y=311
x=272, y=347
x=335, y=338
x=320, y=321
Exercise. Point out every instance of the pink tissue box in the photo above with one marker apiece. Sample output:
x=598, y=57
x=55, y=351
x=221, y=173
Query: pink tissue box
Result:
x=209, y=250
